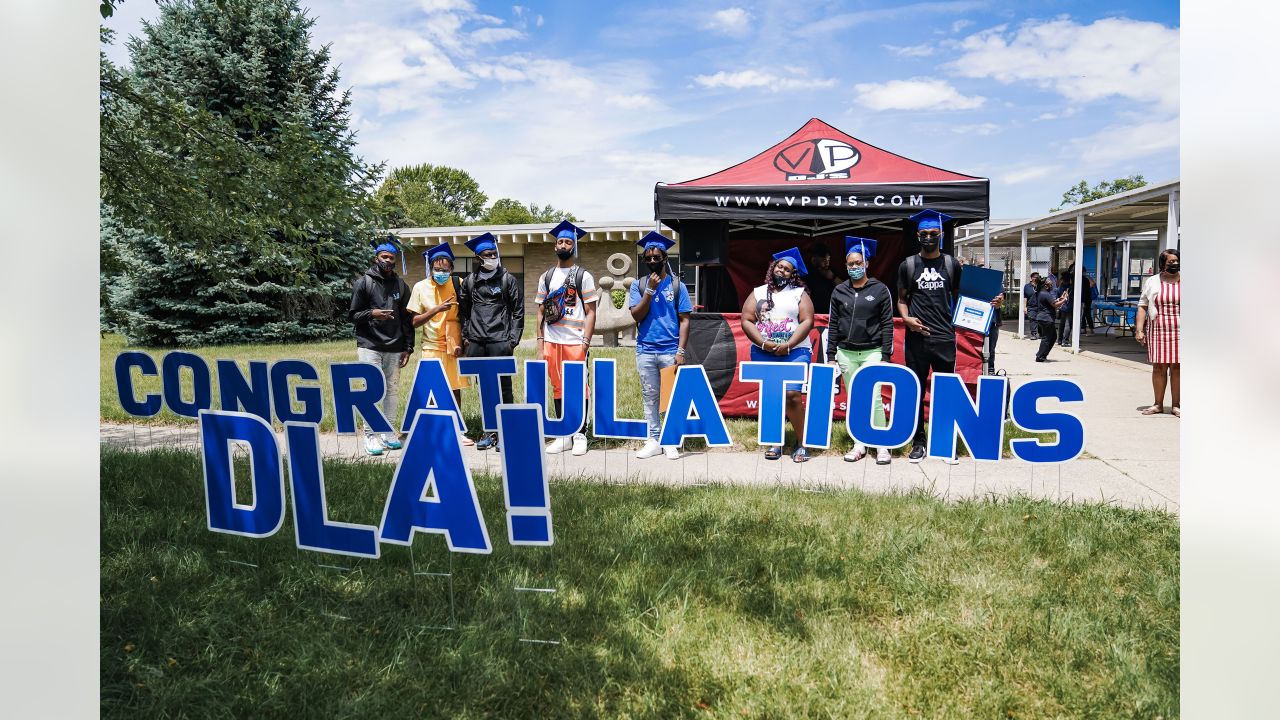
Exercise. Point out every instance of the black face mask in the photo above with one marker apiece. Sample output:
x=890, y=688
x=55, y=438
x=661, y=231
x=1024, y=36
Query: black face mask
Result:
x=654, y=265
x=928, y=245
x=386, y=265
x=564, y=254
x=779, y=281
x=1172, y=267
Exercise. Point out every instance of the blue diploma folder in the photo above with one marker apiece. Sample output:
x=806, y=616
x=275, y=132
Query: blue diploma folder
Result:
x=981, y=283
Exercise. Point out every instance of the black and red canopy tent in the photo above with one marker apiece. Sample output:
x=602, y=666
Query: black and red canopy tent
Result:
x=814, y=187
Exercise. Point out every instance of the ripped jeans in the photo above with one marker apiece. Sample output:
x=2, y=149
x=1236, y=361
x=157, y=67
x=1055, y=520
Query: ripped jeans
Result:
x=650, y=366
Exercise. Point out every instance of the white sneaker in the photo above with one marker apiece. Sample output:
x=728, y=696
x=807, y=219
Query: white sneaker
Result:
x=373, y=445
x=672, y=451
x=883, y=456
x=951, y=461
x=651, y=449
x=558, y=446
x=858, y=452
x=579, y=444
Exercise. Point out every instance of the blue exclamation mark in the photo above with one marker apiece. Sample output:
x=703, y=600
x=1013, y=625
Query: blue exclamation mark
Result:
x=524, y=475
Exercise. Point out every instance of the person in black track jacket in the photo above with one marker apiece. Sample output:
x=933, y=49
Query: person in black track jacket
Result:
x=860, y=330
x=384, y=334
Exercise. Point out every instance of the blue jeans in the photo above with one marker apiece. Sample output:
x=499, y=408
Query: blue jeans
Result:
x=649, y=366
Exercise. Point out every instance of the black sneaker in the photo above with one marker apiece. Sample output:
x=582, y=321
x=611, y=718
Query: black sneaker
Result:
x=917, y=453
x=489, y=441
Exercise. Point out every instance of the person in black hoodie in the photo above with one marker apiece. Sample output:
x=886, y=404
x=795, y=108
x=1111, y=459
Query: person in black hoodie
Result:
x=384, y=334
x=491, y=309
x=860, y=330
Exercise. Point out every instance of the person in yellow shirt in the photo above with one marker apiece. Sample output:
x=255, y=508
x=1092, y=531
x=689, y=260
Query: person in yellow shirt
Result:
x=434, y=302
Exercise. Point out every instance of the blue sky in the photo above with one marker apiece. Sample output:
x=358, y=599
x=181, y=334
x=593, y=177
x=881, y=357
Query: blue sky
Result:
x=585, y=105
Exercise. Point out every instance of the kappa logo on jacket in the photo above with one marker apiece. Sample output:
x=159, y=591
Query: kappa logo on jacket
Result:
x=930, y=279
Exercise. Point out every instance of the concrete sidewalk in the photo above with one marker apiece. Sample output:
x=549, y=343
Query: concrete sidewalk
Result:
x=1130, y=459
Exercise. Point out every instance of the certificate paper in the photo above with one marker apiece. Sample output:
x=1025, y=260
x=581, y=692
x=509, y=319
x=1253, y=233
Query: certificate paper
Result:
x=973, y=314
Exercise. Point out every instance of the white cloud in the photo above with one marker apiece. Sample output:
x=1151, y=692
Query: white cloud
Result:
x=915, y=94
x=494, y=35
x=434, y=6
x=1068, y=112
x=1110, y=57
x=983, y=129
x=911, y=51
x=539, y=21
x=1021, y=175
x=733, y=21
x=1119, y=143
x=959, y=25
x=834, y=23
x=745, y=79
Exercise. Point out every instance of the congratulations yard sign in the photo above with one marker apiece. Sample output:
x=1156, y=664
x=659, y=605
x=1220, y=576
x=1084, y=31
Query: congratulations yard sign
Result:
x=432, y=490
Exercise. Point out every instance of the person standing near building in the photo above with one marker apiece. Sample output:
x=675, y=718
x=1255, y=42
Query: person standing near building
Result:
x=1157, y=327
x=860, y=331
x=660, y=305
x=434, y=301
x=566, y=301
x=821, y=279
x=384, y=334
x=1029, y=293
x=1044, y=312
x=491, y=311
x=777, y=318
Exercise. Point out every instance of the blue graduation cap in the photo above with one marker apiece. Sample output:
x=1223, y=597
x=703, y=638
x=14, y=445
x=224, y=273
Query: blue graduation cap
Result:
x=391, y=245
x=480, y=243
x=866, y=246
x=567, y=229
x=439, y=251
x=930, y=219
x=792, y=256
x=655, y=240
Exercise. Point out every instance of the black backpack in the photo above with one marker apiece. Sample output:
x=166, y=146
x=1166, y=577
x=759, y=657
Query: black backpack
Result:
x=948, y=264
x=552, y=305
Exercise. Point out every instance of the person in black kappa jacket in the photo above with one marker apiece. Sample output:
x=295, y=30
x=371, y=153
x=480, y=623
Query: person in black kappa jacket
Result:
x=860, y=330
x=491, y=310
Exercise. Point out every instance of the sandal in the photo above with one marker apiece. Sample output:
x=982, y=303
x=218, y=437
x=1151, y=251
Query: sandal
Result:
x=1177, y=411
x=800, y=455
x=1153, y=410
x=466, y=441
x=773, y=453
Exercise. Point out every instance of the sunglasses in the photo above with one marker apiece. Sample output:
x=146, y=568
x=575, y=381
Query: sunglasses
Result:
x=929, y=234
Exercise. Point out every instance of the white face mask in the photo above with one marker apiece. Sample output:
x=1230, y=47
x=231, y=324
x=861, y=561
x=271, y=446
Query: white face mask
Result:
x=489, y=264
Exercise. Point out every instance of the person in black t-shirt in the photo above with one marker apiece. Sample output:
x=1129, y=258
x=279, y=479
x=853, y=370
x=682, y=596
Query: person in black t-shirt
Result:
x=928, y=285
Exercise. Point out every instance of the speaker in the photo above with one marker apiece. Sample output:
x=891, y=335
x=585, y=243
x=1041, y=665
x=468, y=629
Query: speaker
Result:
x=704, y=242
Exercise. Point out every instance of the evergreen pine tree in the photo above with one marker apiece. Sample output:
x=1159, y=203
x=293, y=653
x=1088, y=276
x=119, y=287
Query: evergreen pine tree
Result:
x=234, y=207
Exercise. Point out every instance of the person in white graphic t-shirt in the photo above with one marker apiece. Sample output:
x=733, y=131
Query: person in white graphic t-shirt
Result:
x=566, y=300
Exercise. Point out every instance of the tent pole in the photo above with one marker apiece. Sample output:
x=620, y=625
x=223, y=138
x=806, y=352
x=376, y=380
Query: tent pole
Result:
x=1077, y=303
x=1022, y=298
x=986, y=243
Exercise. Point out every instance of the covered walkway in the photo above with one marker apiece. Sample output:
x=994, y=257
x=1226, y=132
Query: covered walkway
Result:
x=1151, y=208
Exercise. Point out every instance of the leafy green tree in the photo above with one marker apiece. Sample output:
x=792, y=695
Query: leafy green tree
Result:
x=239, y=212
x=1082, y=193
x=430, y=196
x=506, y=211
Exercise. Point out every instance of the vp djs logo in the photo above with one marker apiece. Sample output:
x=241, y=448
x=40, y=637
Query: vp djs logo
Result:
x=817, y=159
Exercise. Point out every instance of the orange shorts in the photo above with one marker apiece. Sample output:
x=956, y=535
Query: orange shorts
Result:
x=555, y=354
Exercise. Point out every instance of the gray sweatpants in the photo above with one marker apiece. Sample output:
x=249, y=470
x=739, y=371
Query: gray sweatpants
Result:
x=389, y=363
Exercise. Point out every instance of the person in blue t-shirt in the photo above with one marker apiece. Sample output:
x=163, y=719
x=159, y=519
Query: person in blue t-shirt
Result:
x=660, y=304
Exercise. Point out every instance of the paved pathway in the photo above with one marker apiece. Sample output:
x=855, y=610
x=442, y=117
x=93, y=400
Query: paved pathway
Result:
x=1130, y=460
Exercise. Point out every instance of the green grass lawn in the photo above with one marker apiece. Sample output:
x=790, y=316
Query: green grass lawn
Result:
x=742, y=430
x=713, y=602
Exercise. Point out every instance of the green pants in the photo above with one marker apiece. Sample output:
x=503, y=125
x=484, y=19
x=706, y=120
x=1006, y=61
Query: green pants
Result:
x=849, y=361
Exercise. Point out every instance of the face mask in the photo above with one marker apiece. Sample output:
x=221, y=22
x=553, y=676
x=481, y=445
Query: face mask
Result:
x=779, y=281
x=928, y=245
x=386, y=265
x=653, y=265
x=489, y=264
x=857, y=273
x=1172, y=267
x=564, y=254
x=440, y=277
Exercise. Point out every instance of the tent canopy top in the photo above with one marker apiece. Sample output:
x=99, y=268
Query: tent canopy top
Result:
x=819, y=178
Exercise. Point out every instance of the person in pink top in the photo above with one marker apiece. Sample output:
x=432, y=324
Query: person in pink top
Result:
x=1157, y=328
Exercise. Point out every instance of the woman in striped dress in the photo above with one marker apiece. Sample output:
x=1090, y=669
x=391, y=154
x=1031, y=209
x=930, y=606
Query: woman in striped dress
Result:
x=1157, y=328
